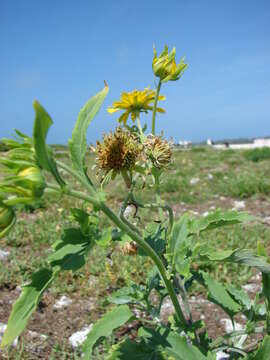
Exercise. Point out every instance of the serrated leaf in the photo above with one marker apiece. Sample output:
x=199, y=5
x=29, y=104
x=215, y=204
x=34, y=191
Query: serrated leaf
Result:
x=246, y=257
x=219, y=295
x=154, y=238
x=77, y=144
x=166, y=342
x=180, y=349
x=179, y=236
x=240, y=296
x=132, y=350
x=71, y=251
x=210, y=254
x=41, y=126
x=104, y=327
x=217, y=219
x=26, y=304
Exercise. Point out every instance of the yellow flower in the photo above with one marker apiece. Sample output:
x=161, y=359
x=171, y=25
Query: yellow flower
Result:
x=165, y=67
x=134, y=103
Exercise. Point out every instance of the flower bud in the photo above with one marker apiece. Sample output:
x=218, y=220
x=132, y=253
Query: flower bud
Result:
x=7, y=219
x=31, y=179
x=165, y=67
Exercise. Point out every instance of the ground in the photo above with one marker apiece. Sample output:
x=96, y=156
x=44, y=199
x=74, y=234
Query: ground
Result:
x=199, y=181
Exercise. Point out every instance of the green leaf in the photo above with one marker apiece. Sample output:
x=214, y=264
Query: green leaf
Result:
x=216, y=219
x=240, y=296
x=128, y=294
x=41, y=126
x=219, y=295
x=246, y=257
x=164, y=341
x=153, y=237
x=265, y=277
x=132, y=350
x=179, y=236
x=211, y=254
x=70, y=252
x=104, y=327
x=263, y=352
x=26, y=304
x=77, y=143
x=179, y=349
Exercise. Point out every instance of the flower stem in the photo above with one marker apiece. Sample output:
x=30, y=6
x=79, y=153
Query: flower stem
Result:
x=83, y=181
x=152, y=254
x=136, y=237
x=155, y=108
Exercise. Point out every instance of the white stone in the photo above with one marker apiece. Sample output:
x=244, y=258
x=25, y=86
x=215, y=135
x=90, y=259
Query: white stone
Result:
x=205, y=213
x=79, y=337
x=2, y=330
x=36, y=335
x=210, y=176
x=194, y=181
x=252, y=288
x=239, y=205
x=229, y=326
x=3, y=254
x=64, y=301
x=222, y=355
x=130, y=211
x=238, y=340
x=92, y=280
x=194, y=212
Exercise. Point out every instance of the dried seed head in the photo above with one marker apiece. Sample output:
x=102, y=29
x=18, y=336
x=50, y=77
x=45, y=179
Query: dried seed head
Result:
x=129, y=248
x=118, y=151
x=159, y=151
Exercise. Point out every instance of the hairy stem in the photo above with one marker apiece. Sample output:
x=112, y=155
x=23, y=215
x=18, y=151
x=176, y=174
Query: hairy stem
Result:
x=155, y=108
x=69, y=170
x=152, y=254
x=134, y=236
x=157, y=206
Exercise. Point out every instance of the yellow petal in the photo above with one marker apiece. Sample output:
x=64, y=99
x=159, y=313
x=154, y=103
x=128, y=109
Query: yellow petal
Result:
x=133, y=115
x=160, y=110
x=112, y=110
x=123, y=118
x=162, y=97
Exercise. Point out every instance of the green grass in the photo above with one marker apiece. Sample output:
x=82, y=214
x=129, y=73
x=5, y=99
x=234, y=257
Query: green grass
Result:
x=258, y=154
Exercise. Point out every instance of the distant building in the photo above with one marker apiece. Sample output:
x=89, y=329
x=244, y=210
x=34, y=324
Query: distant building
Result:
x=184, y=143
x=257, y=143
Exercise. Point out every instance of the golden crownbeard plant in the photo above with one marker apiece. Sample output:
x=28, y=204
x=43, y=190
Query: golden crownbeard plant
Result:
x=179, y=256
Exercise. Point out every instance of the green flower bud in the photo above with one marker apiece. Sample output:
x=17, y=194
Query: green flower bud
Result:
x=7, y=219
x=165, y=67
x=31, y=179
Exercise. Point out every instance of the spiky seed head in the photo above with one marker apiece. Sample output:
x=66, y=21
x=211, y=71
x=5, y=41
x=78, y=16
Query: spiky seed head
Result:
x=158, y=151
x=118, y=151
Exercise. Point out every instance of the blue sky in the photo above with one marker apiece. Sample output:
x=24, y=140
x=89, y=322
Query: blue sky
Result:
x=59, y=52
